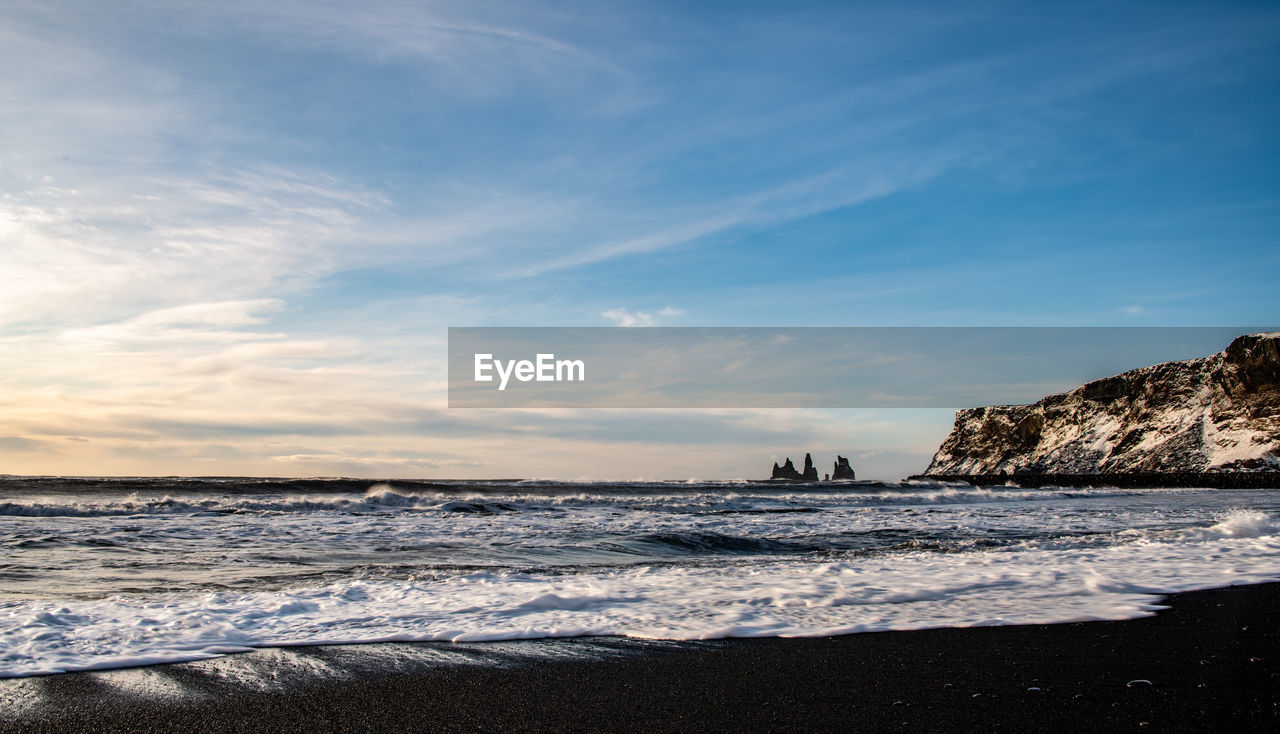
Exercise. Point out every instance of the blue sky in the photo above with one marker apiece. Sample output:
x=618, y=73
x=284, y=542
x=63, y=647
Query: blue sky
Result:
x=232, y=235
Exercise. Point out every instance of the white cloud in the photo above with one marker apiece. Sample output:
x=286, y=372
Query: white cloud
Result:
x=129, y=242
x=468, y=40
x=190, y=323
x=623, y=317
x=791, y=200
x=141, y=218
x=365, y=462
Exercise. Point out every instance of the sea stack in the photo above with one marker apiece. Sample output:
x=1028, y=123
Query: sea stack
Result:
x=810, y=471
x=786, y=471
x=842, y=469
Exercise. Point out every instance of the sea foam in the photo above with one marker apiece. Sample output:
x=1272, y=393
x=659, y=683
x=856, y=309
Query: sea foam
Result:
x=103, y=579
x=1024, y=583
x=1246, y=524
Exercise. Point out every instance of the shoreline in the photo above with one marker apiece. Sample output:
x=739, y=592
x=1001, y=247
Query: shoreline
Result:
x=1121, y=480
x=1212, y=659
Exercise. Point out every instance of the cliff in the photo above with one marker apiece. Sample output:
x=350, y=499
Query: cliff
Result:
x=1203, y=416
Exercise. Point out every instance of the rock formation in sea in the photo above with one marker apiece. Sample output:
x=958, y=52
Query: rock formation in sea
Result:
x=1217, y=414
x=810, y=471
x=786, y=471
x=842, y=469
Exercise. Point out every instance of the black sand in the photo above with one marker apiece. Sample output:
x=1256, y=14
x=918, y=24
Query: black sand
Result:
x=1212, y=662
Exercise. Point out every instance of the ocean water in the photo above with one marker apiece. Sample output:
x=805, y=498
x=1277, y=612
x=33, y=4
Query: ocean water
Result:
x=111, y=573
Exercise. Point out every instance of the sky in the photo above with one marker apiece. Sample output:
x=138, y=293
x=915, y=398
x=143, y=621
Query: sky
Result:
x=233, y=235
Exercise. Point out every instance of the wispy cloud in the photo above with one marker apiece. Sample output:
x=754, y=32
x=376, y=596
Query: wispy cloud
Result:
x=623, y=317
x=468, y=40
x=364, y=464
x=106, y=247
x=189, y=323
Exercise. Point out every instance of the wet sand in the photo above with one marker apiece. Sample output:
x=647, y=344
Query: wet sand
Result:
x=1210, y=663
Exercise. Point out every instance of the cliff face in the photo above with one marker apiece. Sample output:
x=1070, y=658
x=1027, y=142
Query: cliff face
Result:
x=1219, y=413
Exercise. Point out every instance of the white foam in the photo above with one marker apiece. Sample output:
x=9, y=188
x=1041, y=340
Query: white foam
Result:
x=1032, y=582
x=1246, y=524
x=383, y=498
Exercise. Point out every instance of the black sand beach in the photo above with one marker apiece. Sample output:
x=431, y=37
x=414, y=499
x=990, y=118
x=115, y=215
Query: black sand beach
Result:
x=1209, y=663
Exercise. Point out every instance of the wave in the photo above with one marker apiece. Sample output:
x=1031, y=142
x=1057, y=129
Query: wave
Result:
x=380, y=498
x=692, y=543
x=1246, y=524
x=786, y=597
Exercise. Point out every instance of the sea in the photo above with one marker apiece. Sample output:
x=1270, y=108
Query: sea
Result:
x=109, y=573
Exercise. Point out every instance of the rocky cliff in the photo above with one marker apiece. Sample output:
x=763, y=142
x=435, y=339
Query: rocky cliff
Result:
x=1216, y=414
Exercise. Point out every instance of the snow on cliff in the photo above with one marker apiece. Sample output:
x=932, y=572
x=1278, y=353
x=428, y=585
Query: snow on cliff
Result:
x=1218, y=413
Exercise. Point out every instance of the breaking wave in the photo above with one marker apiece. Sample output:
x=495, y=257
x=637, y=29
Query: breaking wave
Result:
x=774, y=598
x=385, y=498
x=177, y=570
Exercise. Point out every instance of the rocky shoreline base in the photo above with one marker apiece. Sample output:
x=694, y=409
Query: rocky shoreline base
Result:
x=1126, y=480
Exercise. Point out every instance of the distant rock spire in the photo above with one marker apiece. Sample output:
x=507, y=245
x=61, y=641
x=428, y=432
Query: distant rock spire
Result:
x=842, y=469
x=786, y=471
x=810, y=472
